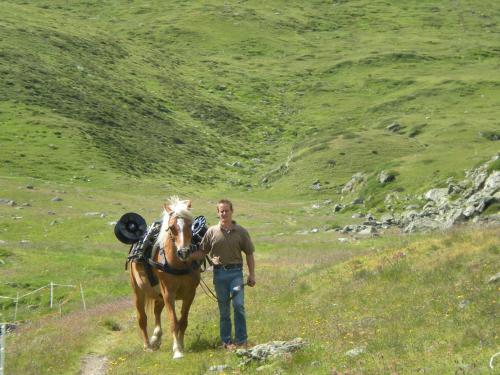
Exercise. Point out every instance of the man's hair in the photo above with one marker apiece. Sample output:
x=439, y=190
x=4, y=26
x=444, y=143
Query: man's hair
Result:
x=225, y=201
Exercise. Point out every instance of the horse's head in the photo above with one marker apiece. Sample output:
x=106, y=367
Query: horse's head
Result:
x=177, y=221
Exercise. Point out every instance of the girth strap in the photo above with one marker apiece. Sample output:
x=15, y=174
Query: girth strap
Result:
x=169, y=269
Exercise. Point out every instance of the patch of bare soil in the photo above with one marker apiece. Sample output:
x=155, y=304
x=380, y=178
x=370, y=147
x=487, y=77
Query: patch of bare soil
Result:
x=94, y=364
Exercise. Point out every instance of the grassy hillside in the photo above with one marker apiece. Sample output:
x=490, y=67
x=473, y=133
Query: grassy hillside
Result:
x=410, y=304
x=111, y=106
x=96, y=89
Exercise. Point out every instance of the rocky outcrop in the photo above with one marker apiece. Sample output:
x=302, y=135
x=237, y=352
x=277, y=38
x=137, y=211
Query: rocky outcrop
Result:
x=457, y=203
x=444, y=207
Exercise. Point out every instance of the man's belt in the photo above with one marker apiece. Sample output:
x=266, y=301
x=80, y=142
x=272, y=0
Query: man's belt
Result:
x=228, y=266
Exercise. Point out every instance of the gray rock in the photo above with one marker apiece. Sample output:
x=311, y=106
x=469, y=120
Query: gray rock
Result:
x=338, y=207
x=412, y=207
x=369, y=230
x=385, y=177
x=356, y=181
x=494, y=278
x=394, y=127
x=355, y=352
x=358, y=201
x=30, y=187
x=343, y=239
x=422, y=225
x=492, y=183
x=316, y=185
x=94, y=214
x=438, y=196
x=56, y=199
x=387, y=219
x=8, y=202
x=272, y=349
x=218, y=368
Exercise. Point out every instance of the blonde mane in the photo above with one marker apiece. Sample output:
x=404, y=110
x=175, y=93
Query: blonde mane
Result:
x=181, y=209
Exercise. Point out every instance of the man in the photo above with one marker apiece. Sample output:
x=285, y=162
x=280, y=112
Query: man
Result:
x=225, y=242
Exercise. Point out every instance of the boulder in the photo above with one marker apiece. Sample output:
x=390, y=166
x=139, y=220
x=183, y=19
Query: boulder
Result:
x=316, y=185
x=386, y=176
x=356, y=180
x=438, y=196
x=368, y=230
x=492, y=183
x=338, y=207
x=394, y=127
x=422, y=224
x=358, y=201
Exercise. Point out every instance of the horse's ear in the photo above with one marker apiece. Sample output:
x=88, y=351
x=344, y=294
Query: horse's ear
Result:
x=167, y=209
x=189, y=204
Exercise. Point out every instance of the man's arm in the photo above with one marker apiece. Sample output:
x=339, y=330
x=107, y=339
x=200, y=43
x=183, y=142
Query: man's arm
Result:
x=251, y=269
x=197, y=255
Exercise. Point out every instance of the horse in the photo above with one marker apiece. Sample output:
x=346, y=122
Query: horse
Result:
x=178, y=278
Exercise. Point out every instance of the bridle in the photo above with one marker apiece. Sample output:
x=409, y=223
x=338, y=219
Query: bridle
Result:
x=183, y=252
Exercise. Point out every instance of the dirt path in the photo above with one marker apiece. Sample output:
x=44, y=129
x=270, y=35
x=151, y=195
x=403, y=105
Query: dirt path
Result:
x=94, y=364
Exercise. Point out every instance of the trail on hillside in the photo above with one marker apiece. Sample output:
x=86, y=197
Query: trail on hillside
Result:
x=94, y=364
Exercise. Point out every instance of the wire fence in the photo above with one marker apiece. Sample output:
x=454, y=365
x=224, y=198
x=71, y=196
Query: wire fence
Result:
x=51, y=286
x=4, y=326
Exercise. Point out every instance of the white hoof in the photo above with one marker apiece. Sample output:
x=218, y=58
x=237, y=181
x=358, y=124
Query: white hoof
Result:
x=178, y=355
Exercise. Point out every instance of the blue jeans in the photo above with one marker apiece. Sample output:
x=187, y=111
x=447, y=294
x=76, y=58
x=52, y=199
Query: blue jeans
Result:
x=225, y=281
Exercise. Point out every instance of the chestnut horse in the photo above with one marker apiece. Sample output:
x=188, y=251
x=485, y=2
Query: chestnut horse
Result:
x=178, y=280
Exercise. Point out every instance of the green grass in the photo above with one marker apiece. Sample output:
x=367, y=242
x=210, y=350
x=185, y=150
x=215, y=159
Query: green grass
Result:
x=138, y=90
x=114, y=106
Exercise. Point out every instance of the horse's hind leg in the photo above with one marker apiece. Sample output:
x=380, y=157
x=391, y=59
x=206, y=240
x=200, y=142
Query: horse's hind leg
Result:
x=140, y=299
x=157, y=333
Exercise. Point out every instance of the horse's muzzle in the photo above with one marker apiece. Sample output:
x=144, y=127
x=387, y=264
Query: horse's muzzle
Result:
x=183, y=253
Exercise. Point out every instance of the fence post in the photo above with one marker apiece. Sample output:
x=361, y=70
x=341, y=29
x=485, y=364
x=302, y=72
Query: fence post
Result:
x=51, y=294
x=3, y=332
x=83, y=298
x=15, y=308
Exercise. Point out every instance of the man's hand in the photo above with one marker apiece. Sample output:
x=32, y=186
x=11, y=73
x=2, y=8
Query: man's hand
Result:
x=251, y=280
x=216, y=261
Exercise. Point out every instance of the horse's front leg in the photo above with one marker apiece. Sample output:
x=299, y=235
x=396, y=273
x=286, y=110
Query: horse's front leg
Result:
x=157, y=333
x=174, y=325
x=183, y=322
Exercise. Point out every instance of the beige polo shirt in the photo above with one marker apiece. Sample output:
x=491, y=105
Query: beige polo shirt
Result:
x=227, y=245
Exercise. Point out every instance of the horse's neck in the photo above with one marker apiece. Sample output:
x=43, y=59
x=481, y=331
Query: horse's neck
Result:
x=170, y=252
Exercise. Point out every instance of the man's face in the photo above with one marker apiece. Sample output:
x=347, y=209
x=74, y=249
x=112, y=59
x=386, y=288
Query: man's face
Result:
x=225, y=213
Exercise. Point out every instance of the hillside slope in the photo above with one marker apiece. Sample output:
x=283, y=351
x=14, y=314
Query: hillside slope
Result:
x=288, y=92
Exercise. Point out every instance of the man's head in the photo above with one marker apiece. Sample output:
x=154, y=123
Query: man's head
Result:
x=225, y=211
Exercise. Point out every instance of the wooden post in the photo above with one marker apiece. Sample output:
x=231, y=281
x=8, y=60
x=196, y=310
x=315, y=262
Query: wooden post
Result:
x=51, y=294
x=15, y=308
x=83, y=298
x=3, y=332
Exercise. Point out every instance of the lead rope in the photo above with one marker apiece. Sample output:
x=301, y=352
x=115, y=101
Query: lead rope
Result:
x=205, y=287
x=212, y=295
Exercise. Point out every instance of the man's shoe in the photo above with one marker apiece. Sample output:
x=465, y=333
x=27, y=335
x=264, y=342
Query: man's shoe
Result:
x=242, y=345
x=229, y=346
